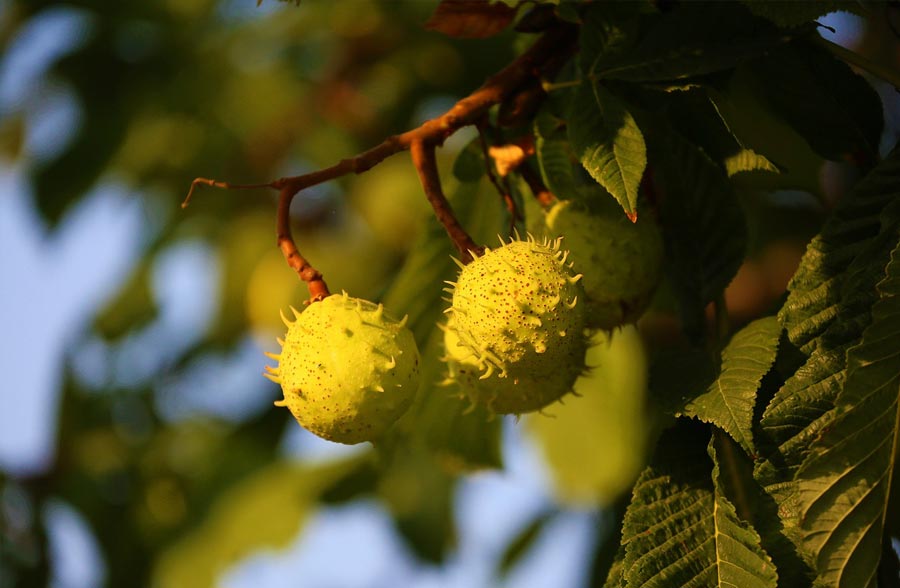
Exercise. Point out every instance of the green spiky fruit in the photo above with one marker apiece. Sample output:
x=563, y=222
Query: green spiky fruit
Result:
x=621, y=260
x=348, y=370
x=515, y=339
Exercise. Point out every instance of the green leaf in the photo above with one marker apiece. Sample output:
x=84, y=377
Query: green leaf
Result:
x=133, y=307
x=461, y=437
x=822, y=286
x=609, y=411
x=844, y=483
x=691, y=40
x=741, y=104
x=555, y=156
x=729, y=401
x=703, y=225
x=833, y=108
x=520, y=545
x=828, y=308
x=608, y=142
x=747, y=160
x=615, y=578
x=607, y=29
x=264, y=510
x=419, y=493
x=469, y=164
x=680, y=528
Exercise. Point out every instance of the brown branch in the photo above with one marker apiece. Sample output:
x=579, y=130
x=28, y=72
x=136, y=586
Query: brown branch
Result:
x=218, y=184
x=314, y=281
x=550, y=50
x=426, y=165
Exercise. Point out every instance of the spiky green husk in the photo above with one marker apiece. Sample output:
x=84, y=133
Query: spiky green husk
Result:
x=515, y=339
x=621, y=260
x=347, y=369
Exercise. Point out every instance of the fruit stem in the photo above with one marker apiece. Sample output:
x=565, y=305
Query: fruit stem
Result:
x=545, y=56
x=426, y=165
x=318, y=289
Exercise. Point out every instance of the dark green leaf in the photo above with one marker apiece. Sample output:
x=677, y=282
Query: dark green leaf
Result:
x=419, y=494
x=608, y=142
x=520, y=545
x=615, y=578
x=608, y=29
x=133, y=307
x=469, y=165
x=691, y=40
x=833, y=108
x=461, y=439
x=555, y=156
x=703, y=226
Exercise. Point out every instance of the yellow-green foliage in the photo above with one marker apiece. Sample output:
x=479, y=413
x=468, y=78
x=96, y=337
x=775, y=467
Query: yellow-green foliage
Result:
x=515, y=339
x=348, y=370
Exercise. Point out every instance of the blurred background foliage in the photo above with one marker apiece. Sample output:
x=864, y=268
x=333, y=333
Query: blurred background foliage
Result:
x=158, y=442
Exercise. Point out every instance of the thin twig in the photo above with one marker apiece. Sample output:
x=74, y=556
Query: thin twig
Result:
x=218, y=184
x=551, y=49
x=426, y=165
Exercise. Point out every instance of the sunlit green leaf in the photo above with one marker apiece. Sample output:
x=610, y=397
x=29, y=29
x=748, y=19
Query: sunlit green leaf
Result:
x=747, y=160
x=844, y=483
x=682, y=530
x=828, y=308
x=608, y=142
x=729, y=401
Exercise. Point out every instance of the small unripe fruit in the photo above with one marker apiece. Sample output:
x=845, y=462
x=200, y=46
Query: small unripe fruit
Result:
x=515, y=339
x=348, y=370
x=621, y=260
